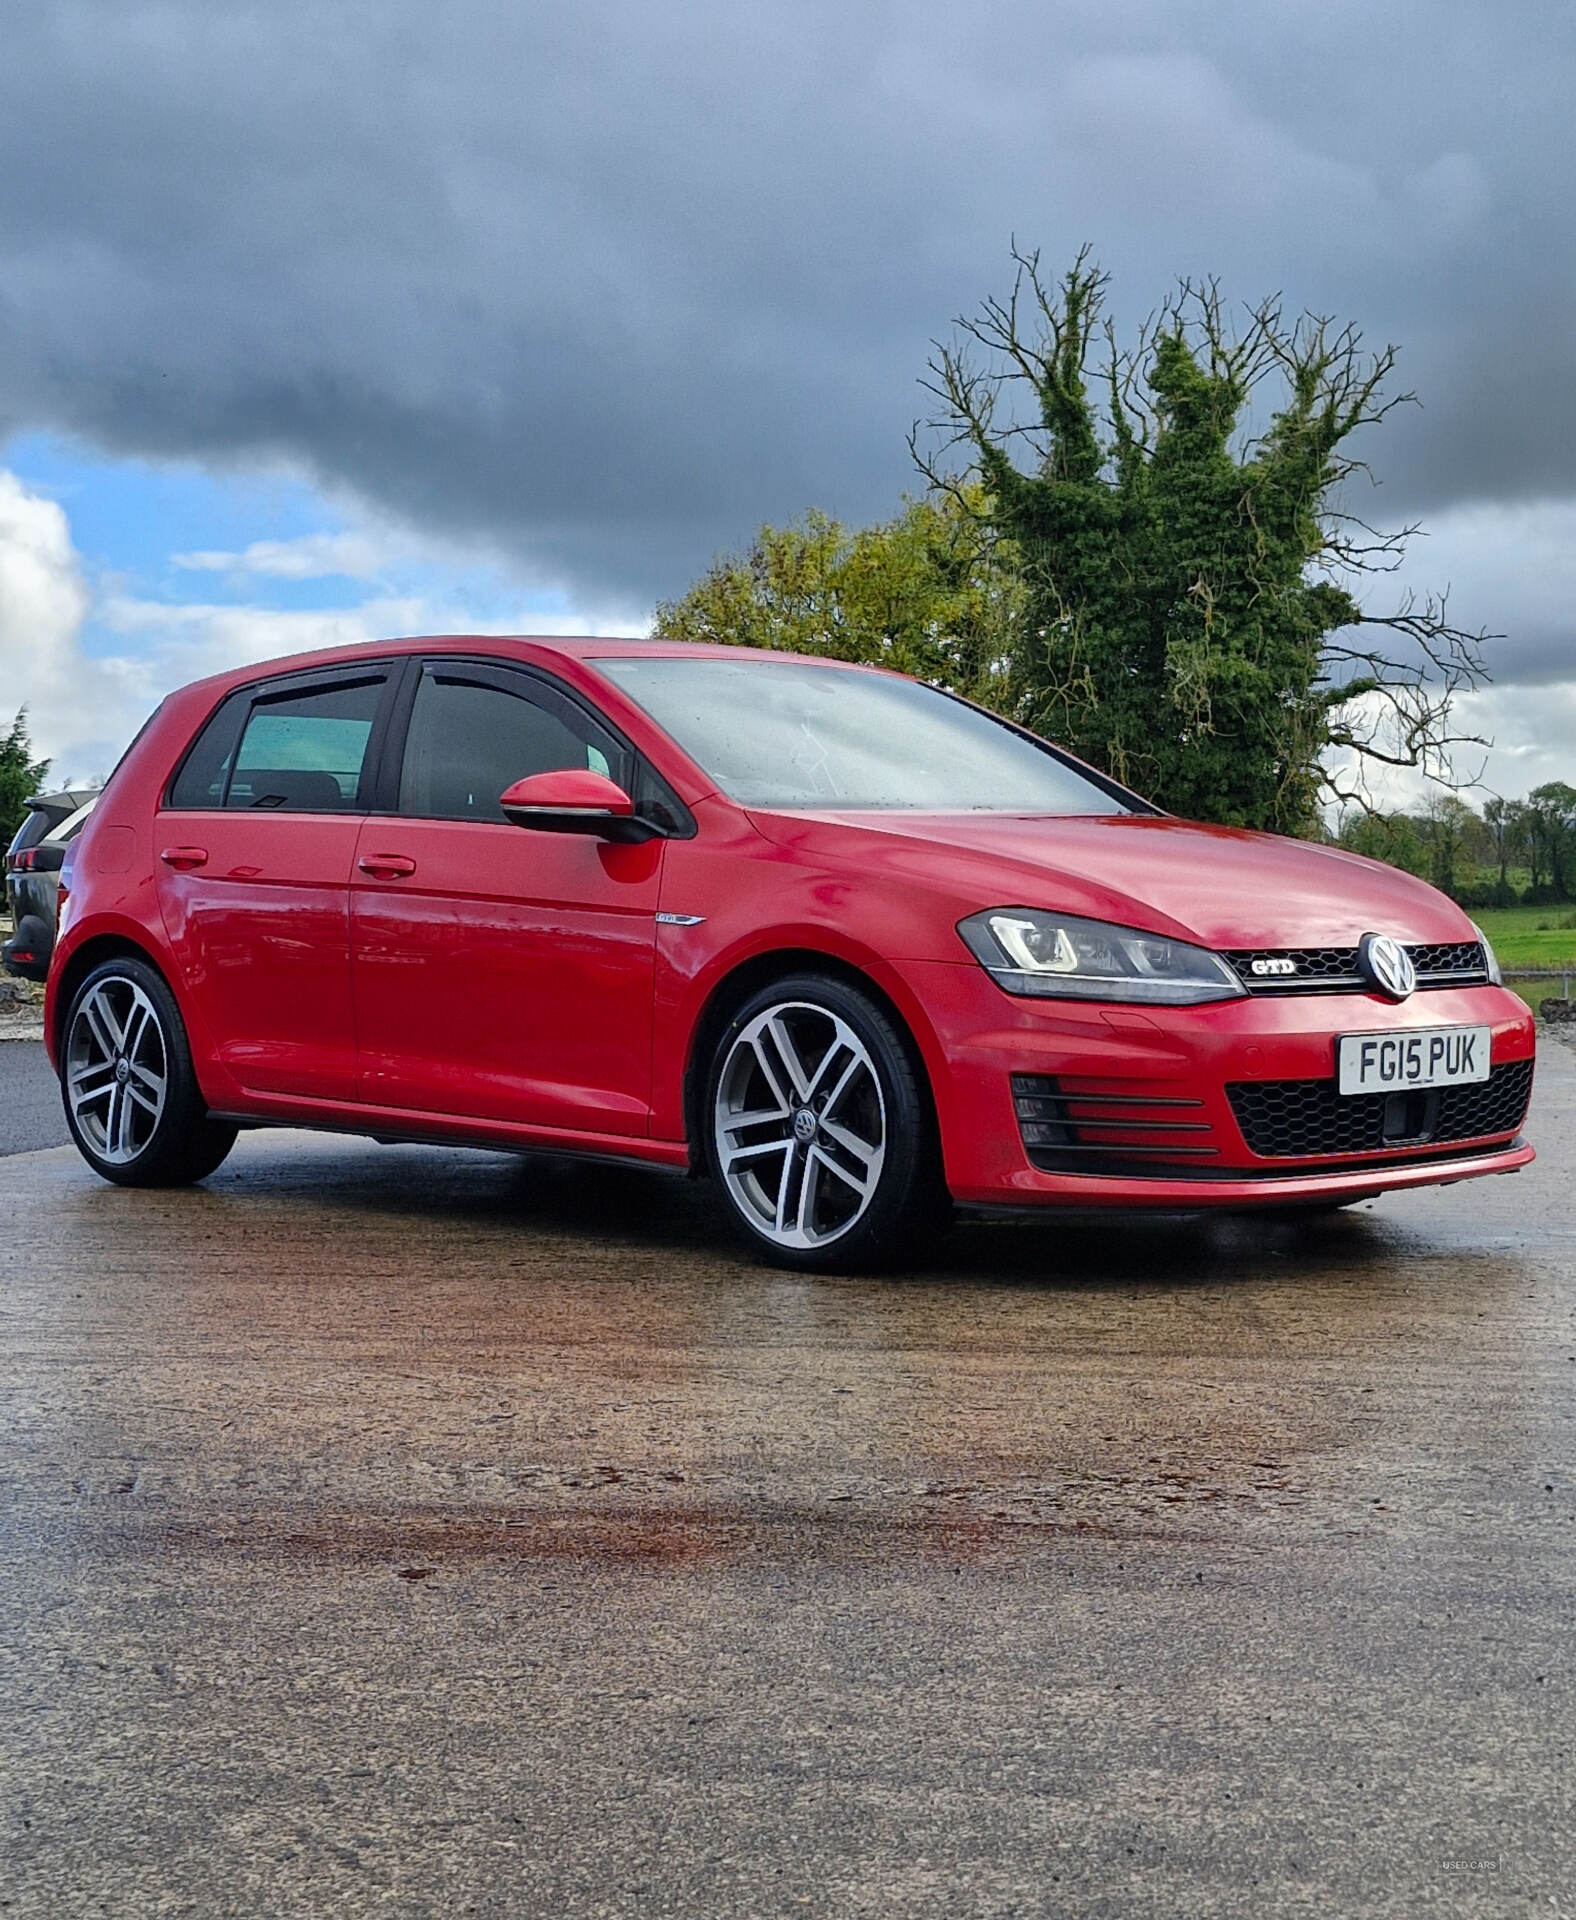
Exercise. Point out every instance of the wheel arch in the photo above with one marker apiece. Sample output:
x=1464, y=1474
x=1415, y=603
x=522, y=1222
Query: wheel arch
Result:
x=747, y=978
x=81, y=962
x=104, y=936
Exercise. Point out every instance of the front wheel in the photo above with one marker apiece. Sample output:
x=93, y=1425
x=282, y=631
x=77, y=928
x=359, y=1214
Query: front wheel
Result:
x=131, y=1096
x=819, y=1131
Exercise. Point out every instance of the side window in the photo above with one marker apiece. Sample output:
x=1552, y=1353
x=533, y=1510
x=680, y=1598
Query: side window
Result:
x=468, y=741
x=303, y=752
x=205, y=771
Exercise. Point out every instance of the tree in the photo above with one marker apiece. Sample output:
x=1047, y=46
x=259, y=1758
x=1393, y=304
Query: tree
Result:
x=1391, y=837
x=1506, y=824
x=928, y=592
x=1551, y=837
x=1449, y=828
x=1192, y=624
x=20, y=776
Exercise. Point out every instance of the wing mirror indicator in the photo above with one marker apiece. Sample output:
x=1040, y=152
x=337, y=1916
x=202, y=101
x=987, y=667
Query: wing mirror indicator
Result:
x=575, y=800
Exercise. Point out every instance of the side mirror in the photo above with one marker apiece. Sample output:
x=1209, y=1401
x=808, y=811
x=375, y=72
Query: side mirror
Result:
x=575, y=800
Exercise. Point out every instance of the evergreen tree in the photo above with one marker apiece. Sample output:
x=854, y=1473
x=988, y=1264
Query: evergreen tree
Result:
x=20, y=776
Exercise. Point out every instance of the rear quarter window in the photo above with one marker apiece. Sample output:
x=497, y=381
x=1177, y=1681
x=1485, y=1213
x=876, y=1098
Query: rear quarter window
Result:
x=202, y=776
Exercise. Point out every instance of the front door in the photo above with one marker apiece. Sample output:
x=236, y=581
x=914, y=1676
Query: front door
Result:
x=253, y=857
x=500, y=973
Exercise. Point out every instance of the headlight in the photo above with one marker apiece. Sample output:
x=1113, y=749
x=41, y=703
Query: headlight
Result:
x=1490, y=958
x=1026, y=950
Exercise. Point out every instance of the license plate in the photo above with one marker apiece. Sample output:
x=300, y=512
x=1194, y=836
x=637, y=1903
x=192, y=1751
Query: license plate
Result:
x=1399, y=1062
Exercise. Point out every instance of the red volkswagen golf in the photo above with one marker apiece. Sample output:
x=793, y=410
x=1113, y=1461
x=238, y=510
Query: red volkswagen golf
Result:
x=847, y=944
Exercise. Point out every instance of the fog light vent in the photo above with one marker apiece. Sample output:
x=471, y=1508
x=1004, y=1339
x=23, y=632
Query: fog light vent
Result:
x=1106, y=1127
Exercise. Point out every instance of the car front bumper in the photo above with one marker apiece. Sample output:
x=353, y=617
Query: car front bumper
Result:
x=1150, y=1094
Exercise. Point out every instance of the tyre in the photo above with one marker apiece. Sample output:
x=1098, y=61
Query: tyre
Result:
x=819, y=1129
x=131, y=1097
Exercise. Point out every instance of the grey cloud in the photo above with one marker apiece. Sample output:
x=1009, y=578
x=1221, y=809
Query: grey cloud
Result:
x=1532, y=657
x=606, y=284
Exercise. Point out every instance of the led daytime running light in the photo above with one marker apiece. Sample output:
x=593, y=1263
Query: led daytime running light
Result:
x=1029, y=951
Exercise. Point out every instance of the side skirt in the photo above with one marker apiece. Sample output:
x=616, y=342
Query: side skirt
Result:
x=391, y=1127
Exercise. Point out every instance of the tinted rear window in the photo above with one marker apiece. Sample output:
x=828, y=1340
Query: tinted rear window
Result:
x=304, y=754
x=33, y=828
x=301, y=750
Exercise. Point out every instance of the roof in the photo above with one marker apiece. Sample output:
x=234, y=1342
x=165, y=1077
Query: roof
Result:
x=525, y=646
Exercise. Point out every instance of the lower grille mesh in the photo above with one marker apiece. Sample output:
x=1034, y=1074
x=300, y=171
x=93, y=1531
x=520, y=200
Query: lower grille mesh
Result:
x=1291, y=1119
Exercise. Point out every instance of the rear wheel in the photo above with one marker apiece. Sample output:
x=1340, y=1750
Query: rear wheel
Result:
x=819, y=1131
x=131, y=1097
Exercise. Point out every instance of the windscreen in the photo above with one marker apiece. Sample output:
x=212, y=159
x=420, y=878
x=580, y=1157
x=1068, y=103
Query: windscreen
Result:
x=790, y=733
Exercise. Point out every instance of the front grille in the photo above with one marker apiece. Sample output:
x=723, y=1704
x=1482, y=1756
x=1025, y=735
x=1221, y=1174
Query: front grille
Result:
x=1334, y=969
x=1103, y=1126
x=1313, y=964
x=1295, y=1119
x=1451, y=960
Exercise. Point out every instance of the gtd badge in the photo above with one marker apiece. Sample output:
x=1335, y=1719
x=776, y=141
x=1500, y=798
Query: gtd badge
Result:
x=1387, y=964
x=1278, y=967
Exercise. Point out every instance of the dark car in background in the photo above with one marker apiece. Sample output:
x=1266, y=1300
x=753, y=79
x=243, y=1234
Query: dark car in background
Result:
x=32, y=876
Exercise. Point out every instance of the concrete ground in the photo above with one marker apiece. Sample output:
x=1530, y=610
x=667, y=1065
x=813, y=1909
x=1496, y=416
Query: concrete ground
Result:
x=409, y=1532
x=30, y=1114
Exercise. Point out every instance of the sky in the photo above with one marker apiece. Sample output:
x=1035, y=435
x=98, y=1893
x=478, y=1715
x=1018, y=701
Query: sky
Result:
x=331, y=319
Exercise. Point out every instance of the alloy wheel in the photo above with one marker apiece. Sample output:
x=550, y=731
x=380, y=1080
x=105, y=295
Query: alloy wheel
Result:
x=800, y=1125
x=117, y=1070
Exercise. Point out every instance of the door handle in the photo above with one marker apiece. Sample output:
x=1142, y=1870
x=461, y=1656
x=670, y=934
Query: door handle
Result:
x=183, y=859
x=386, y=866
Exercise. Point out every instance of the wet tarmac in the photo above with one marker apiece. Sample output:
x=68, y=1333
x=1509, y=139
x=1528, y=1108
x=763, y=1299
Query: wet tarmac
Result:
x=394, y=1531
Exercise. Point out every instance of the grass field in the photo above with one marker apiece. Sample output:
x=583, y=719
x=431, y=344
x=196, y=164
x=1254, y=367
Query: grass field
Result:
x=1530, y=936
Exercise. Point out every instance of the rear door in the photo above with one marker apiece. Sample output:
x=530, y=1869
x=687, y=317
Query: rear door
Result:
x=500, y=973
x=254, y=848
